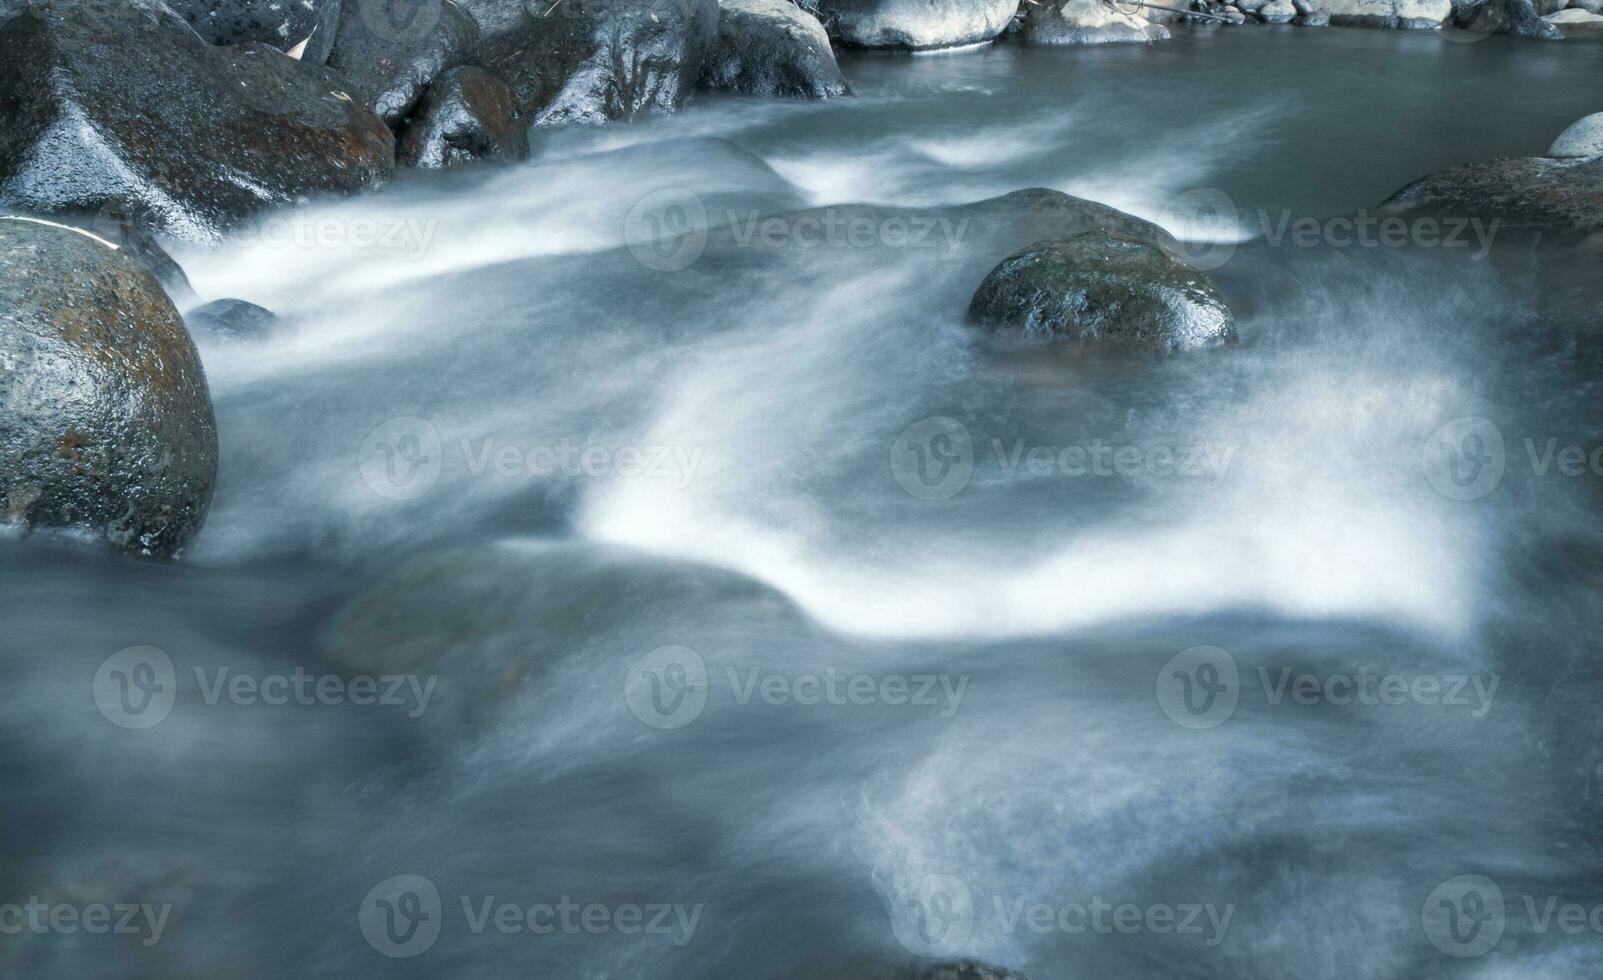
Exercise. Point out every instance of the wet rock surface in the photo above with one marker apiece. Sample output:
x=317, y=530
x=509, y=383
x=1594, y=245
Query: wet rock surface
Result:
x=106, y=424
x=467, y=115
x=391, y=51
x=773, y=48
x=127, y=104
x=283, y=24
x=590, y=61
x=1097, y=288
x=916, y=24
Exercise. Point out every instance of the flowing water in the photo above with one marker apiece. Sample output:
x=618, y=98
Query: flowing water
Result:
x=751, y=607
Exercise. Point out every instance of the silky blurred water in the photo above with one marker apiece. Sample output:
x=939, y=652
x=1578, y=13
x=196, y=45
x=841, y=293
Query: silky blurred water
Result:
x=692, y=613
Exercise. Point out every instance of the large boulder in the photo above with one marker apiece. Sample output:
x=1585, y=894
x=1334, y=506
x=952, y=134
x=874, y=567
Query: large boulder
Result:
x=1404, y=14
x=1583, y=138
x=1105, y=290
x=916, y=24
x=1559, y=201
x=773, y=48
x=125, y=104
x=1516, y=17
x=590, y=61
x=467, y=115
x=1087, y=22
x=105, y=421
x=391, y=50
x=307, y=25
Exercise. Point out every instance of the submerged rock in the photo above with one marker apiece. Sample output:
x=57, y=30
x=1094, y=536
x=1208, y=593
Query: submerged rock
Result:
x=590, y=61
x=232, y=319
x=1560, y=200
x=390, y=60
x=126, y=104
x=282, y=24
x=105, y=420
x=1583, y=138
x=1087, y=22
x=773, y=48
x=916, y=24
x=1100, y=289
x=468, y=114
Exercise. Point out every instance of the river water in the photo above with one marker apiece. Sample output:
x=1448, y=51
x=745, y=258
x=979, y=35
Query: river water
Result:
x=751, y=615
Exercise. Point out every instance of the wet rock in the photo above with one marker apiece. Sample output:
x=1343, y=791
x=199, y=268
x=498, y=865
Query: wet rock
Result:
x=468, y=114
x=126, y=104
x=1583, y=138
x=1575, y=21
x=282, y=24
x=1516, y=17
x=1559, y=200
x=590, y=61
x=1099, y=289
x=1087, y=22
x=1278, y=12
x=1590, y=6
x=915, y=24
x=1317, y=18
x=232, y=319
x=121, y=226
x=106, y=425
x=772, y=48
x=1395, y=14
x=391, y=50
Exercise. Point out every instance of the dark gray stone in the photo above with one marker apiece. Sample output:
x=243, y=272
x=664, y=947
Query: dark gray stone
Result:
x=126, y=104
x=773, y=48
x=1516, y=17
x=105, y=420
x=590, y=61
x=1100, y=289
x=392, y=50
x=281, y=24
x=468, y=114
x=232, y=319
